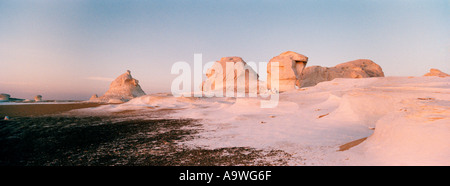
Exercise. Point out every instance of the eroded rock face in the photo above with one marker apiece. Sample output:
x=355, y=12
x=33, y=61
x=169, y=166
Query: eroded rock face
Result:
x=123, y=88
x=436, y=72
x=361, y=68
x=291, y=65
x=241, y=77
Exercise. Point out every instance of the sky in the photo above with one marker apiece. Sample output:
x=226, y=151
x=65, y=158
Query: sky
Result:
x=71, y=49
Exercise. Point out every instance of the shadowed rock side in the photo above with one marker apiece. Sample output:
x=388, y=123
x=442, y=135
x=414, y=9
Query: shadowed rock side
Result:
x=122, y=89
x=291, y=66
x=361, y=68
x=436, y=72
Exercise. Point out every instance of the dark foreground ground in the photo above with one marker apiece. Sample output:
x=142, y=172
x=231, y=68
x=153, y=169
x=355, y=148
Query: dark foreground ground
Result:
x=70, y=140
x=38, y=109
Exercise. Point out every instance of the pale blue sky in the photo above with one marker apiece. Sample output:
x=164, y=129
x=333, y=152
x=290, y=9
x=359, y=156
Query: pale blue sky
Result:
x=70, y=49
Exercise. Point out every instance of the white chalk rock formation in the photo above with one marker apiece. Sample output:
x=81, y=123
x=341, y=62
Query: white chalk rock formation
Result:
x=94, y=96
x=4, y=97
x=38, y=98
x=361, y=68
x=436, y=72
x=241, y=77
x=123, y=88
x=291, y=65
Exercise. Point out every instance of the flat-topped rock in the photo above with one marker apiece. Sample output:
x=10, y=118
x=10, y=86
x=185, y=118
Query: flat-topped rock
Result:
x=4, y=97
x=436, y=72
x=361, y=68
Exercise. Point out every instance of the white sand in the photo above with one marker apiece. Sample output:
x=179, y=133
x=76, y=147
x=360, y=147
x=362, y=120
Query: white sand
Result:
x=411, y=117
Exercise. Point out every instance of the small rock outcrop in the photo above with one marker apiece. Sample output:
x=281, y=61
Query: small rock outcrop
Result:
x=123, y=88
x=4, y=97
x=291, y=65
x=218, y=75
x=361, y=68
x=436, y=72
x=94, y=96
x=38, y=98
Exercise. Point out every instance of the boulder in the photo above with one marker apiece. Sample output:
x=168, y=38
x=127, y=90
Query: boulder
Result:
x=291, y=65
x=123, y=88
x=38, y=98
x=361, y=68
x=436, y=72
x=241, y=77
x=4, y=97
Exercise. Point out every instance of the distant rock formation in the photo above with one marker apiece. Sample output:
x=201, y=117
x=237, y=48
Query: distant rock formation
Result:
x=361, y=68
x=38, y=98
x=122, y=89
x=291, y=66
x=7, y=98
x=4, y=97
x=218, y=75
x=436, y=72
x=94, y=96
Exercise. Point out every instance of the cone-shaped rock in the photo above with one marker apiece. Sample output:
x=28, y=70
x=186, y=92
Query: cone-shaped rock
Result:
x=123, y=88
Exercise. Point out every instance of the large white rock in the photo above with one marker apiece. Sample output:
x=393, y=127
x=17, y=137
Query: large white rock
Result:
x=123, y=88
x=436, y=72
x=291, y=65
x=241, y=77
x=361, y=68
